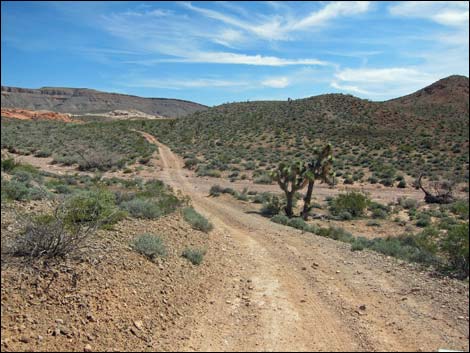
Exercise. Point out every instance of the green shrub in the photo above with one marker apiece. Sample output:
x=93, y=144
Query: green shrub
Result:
x=423, y=220
x=281, y=219
x=402, y=184
x=456, y=249
x=196, y=220
x=142, y=208
x=15, y=190
x=263, y=179
x=272, y=206
x=215, y=190
x=407, y=203
x=149, y=245
x=195, y=256
x=298, y=223
x=9, y=164
x=336, y=234
x=353, y=202
x=91, y=206
x=360, y=243
x=460, y=208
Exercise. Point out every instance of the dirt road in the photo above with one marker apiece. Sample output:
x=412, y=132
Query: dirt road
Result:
x=294, y=291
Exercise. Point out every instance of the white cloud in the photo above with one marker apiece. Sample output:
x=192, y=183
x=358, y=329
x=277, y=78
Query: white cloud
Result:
x=181, y=84
x=279, y=26
x=331, y=11
x=382, y=82
x=276, y=82
x=393, y=74
x=231, y=58
x=448, y=13
x=347, y=88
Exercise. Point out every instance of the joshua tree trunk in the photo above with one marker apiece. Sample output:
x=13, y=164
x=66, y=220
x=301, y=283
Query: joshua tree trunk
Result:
x=307, y=200
x=289, y=203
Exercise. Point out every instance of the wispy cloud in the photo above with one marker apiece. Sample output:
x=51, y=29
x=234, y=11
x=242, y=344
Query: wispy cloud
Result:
x=384, y=82
x=182, y=84
x=449, y=13
x=276, y=82
x=278, y=26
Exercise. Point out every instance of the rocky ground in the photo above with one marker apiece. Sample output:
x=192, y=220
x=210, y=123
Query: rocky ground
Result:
x=262, y=286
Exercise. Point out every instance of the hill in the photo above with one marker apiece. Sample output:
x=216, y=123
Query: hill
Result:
x=374, y=141
x=82, y=101
x=450, y=91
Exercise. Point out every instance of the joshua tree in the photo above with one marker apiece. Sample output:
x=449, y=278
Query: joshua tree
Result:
x=319, y=168
x=291, y=178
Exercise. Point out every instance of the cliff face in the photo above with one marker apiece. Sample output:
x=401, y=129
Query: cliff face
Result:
x=82, y=100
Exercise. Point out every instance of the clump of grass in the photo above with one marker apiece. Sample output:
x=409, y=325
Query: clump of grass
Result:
x=196, y=220
x=195, y=256
x=149, y=245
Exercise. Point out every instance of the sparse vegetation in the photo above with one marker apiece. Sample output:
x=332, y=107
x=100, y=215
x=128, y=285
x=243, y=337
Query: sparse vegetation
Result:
x=150, y=245
x=195, y=256
x=196, y=220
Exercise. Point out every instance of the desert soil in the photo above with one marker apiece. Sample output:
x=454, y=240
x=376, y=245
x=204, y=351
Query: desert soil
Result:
x=295, y=291
x=262, y=287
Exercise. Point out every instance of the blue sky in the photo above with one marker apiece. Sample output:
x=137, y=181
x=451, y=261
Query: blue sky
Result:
x=217, y=52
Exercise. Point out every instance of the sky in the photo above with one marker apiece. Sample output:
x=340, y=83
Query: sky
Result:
x=227, y=51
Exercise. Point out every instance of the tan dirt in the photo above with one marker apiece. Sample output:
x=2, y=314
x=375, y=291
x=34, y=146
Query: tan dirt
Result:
x=299, y=292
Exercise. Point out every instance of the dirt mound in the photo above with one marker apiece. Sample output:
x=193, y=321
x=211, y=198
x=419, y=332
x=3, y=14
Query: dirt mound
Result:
x=24, y=114
x=110, y=299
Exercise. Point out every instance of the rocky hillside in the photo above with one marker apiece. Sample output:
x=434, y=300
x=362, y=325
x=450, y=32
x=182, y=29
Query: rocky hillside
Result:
x=375, y=141
x=450, y=91
x=23, y=114
x=82, y=100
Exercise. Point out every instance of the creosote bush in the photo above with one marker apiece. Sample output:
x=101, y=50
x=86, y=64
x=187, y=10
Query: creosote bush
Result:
x=355, y=203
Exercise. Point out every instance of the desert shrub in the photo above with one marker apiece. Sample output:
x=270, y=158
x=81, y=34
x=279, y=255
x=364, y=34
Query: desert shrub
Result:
x=149, y=245
x=353, y=202
x=142, y=208
x=423, y=220
x=262, y=197
x=42, y=153
x=215, y=190
x=360, y=243
x=100, y=160
x=460, y=208
x=91, y=206
x=272, y=206
x=15, y=190
x=190, y=163
x=263, y=179
x=407, y=203
x=345, y=216
x=455, y=247
x=51, y=236
x=373, y=224
x=402, y=184
x=336, y=234
x=196, y=220
x=8, y=164
x=281, y=219
x=298, y=223
x=195, y=256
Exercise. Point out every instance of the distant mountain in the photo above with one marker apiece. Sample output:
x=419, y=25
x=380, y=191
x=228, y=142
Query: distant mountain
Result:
x=83, y=100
